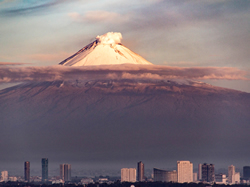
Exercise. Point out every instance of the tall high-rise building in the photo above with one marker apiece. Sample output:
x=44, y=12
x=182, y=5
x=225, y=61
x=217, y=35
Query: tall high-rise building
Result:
x=62, y=171
x=185, y=171
x=128, y=175
x=208, y=172
x=45, y=169
x=65, y=172
x=231, y=174
x=246, y=172
x=27, y=171
x=5, y=176
x=200, y=172
x=140, y=171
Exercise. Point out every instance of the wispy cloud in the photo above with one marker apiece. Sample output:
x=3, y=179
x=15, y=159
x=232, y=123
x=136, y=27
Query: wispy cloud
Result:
x=21, y=8
x=99, y=16
x=51, y=73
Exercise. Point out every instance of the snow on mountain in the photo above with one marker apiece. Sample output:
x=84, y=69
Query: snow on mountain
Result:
x=105, y=50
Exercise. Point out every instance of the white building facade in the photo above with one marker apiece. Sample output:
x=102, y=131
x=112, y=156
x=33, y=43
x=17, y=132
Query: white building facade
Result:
x=5, y=176
x=185, y=171
x=128, y=175
x=237, y=177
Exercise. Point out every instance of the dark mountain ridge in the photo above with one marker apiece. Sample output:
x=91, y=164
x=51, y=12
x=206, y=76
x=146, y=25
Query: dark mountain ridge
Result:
x=115, y=119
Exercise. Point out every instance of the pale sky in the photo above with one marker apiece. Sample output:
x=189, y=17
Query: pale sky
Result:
x=182, y=33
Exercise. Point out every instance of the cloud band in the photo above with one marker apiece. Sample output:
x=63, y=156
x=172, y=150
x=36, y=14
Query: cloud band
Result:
x=51, y=73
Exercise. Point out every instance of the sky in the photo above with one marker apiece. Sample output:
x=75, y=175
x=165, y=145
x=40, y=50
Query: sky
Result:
x=175, y=33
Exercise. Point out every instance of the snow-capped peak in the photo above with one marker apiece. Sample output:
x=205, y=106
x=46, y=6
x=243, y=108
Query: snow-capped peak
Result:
x=105, y=50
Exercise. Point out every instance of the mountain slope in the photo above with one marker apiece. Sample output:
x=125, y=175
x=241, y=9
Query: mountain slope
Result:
x=114, y=119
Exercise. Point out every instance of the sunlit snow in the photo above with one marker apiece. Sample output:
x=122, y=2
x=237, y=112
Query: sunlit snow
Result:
x=105, y=50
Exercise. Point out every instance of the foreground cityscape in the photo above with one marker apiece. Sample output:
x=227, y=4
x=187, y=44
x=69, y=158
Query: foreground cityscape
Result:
x=183, y=174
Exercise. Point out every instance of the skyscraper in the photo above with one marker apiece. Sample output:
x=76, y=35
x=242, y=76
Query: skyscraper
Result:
x=246, y=172
x=208, y=172
x=45, y=169
x=185, y=171
x=27, y=171
x=231, y=174
x=140, y=171
x=128, y=175
x=65, y=172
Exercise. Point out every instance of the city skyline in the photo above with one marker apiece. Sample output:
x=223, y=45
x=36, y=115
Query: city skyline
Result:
x=182, y=175
x=184, y=171
x=18, y=169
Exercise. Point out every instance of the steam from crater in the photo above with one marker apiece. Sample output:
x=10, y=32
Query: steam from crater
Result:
x=110, y=38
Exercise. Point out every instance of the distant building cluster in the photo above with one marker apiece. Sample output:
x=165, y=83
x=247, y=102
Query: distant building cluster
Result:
x=65, y=174
x=183, y=174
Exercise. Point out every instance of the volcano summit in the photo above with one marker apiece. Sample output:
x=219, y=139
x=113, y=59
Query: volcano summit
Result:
x=105, y=50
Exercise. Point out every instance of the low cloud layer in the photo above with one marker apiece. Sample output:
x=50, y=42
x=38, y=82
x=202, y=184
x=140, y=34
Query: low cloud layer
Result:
x=50, y=73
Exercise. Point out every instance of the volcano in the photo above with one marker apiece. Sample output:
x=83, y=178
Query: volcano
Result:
x=120, y=121
x=105, y=50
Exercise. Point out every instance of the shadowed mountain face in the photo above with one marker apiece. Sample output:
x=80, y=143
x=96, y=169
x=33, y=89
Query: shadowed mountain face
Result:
x=116, y=120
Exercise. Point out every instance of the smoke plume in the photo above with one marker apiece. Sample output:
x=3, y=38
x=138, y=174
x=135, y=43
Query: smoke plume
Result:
x=110, y=38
